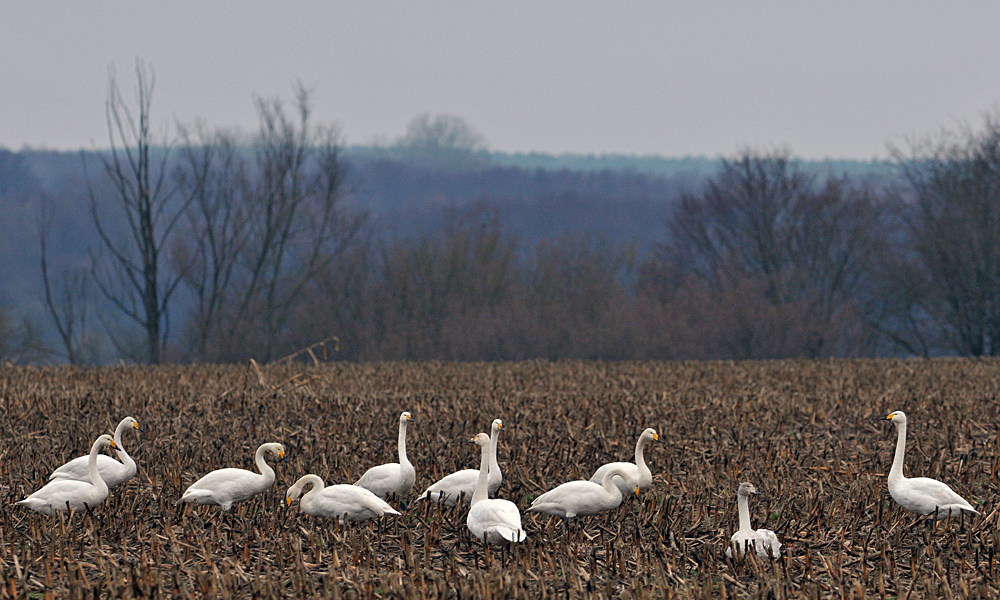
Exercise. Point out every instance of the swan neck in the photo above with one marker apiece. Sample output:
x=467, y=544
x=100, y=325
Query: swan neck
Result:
x=120, y=449
x=482, y=493
x=609, y=485
x=95, y=474
x=896, y=472
x=317, y=485
x=640, y=459
x=494, y=465
x=264, y=468
x=402, y=444
x=743, y=505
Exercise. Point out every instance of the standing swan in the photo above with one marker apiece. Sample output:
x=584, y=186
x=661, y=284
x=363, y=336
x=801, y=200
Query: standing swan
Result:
x=227, y=486
x=342, y=502
x=450, y=487
x=921, y=495
x=391, y=478
x=764, y=541
x=639, y=474
x=68, y=494
x=582, y=498
x=492, y=521
x=113, y=473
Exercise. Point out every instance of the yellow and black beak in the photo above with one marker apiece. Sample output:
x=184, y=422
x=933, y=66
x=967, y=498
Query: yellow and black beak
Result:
x=636, y=491
x=113, y=445
x=656, y=437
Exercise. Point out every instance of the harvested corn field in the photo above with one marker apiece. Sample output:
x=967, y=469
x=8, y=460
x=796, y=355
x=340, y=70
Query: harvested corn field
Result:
x=805, y=433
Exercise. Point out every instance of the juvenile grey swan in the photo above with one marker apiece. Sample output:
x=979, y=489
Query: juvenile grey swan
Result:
x=763, y=541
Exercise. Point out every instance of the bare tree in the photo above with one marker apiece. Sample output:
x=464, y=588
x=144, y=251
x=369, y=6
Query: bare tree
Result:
x=128, y=269
x=442, y=141
x=68, y=303
x=263, y=229
x=952, y=221
x=762, y=226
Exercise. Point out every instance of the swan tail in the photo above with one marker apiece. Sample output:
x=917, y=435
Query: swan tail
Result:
x=509, y=533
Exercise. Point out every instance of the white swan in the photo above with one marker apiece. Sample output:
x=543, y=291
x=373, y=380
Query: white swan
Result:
x=492, y=521
x=391, y=478
x=639, y=474
x=582, y=498
x=113, y=473
x=227, y=486
x=763, y=541
x=76, y=495
x=921, y=495
x=342, y=501
x=449, y=488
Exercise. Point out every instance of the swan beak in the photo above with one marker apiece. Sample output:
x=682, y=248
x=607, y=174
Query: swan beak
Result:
x=656, y=437
x=755, y=493
x=472, y=440
x=136, y=427
x=288, y=500
x=281, y=455
x=888, y=417
x=113, y=445
x=636, y=491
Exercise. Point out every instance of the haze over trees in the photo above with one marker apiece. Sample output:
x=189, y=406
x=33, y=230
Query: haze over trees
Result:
x=209, y=245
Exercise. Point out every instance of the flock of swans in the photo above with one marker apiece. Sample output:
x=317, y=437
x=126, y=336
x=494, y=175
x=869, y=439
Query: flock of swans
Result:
x=83, y=483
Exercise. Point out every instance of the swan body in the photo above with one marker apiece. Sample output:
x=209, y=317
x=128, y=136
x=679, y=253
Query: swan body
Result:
x=582, y=498
x=392, y=478
x=228, y=486
x=762, y=541
x=638, y=474
x=451, y=487
x=343, y=502
x=113, y=473
x=493, y=521
x=69, y=494
x=921, y=495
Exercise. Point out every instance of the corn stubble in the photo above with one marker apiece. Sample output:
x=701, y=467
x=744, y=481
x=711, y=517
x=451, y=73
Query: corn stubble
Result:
x=804, y=432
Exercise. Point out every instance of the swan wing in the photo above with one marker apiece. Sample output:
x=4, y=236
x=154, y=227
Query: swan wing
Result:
x=924, y=495
x=56, y=494
x=767, y=543
x=383, y=480
x=496, y=521
x=452, y=486
x=112, y=471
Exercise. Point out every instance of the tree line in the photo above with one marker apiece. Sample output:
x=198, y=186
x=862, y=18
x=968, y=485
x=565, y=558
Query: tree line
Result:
x=216, y=246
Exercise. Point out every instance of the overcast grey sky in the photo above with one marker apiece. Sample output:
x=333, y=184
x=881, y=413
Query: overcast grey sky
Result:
x=824, y=79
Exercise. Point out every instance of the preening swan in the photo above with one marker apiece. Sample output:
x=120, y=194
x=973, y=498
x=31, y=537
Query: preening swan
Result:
x=639, y=474
x=451, y=487
x=492, y=521
x=228, y=486
x=391, y=478
x=62, y=493
x=582, y=498
x=342, y=501
x=745, y=540
x=921, y=495
x=113, y=473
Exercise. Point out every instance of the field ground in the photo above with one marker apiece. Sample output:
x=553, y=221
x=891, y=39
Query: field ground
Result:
x=806, y=433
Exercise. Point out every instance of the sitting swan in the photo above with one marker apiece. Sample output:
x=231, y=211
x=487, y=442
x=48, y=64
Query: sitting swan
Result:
x=113, y=473
x=921, y=495
x=227, y=486
x=391, y=478
x=764, y=541
x=492, y=521
x=451, y=487
x=639, y=474
x=582, y=498
x=343, y=502
x=57, y=495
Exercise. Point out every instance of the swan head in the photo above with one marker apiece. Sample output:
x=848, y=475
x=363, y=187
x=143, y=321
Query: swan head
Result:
x=497, y=425
x=480, y=439
x=274, y=448
x=897, y=416
x=129, y=423
x=293, y=492
x=651, y=434
x=405, y=418
x=748, y=489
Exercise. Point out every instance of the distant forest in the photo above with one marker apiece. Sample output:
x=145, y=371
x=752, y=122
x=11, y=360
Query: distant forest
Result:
x=212, y=246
